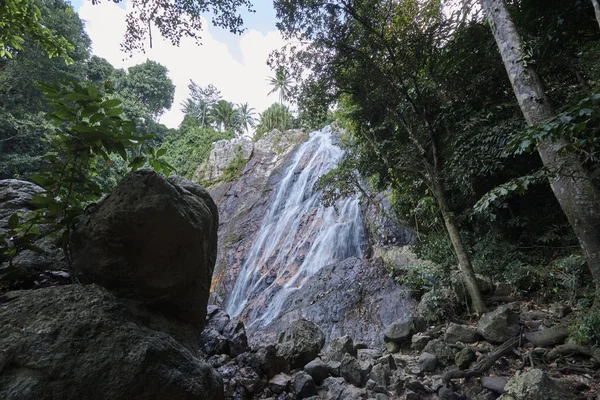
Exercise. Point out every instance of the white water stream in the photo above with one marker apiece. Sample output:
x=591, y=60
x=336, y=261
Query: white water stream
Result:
x=298, y=235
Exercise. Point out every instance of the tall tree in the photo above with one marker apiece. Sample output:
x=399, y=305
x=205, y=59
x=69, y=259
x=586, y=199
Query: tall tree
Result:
x=596, y=10
x=282, y=83
x=202, y=98
x=570, y=181
x=224, y=115
x=246, y=118
x=150, y=85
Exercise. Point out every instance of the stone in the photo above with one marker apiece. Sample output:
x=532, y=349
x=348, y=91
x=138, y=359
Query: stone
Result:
x=392, y=347
x=338, y=388
x=266, y=362
x=350, y=370
x=499, y=325
x=304, y=386
x=334, y=368
x=458, y=333
x=427, y=362
x=77, y=342
x=388, y=359
x=318, y=370
x=464, y=358
x=446, y=393
x=339, y=347
x=410, y=395
x=368, y=354
x=535, y=384
x=399, y=331
x=279, y=383
x=419, y=341
x=221, y=156
x=441, y=350
x=213, y=343
x=494, y=383
x=15, y=198
x=559, y=310
x=381, y=374
x=300, y=343
x=152, y=240
x=548, y=337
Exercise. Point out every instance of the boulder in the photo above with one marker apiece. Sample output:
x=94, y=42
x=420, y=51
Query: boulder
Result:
x=419, y=341
x=350, y=370
x=81, y=342
x=499, y=325
x=318, y=370
x=535, y=384
x=400, y=331
x=548, y=337
x=300, y=343
x=427, y=362
x=381, y=374
x=458, y=333
x=494, y=383
x=441, y=350
x=153, y=240
x=266, y=362
x=279, y=383
x=337, y=388
x=464, y=358
x=338, y=347
x=304, y=386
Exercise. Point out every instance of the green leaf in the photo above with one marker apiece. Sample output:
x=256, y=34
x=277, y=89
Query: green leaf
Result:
x=93, y=92
x=114, y=112
x=13, y=221
x=111, y=103
x=161, y=152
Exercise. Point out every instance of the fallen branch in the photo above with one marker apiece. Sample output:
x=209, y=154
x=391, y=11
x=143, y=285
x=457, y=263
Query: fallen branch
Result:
x=486, y=363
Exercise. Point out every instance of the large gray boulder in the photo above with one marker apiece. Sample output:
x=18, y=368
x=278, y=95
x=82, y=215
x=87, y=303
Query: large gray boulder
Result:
x=535, y=384
x=153, y=240
x=499, y=325
x=80, y=342
x=400, y=331
x=300, y=343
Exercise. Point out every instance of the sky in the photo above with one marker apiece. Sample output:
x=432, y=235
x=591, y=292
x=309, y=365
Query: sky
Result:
x=235, y=64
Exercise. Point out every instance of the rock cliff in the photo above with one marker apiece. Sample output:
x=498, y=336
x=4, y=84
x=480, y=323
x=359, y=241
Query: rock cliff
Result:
x=351, y=294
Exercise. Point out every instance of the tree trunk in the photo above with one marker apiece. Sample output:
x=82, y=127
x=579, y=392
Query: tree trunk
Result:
x=574, y=190
x=464, y=260
x=597, y=10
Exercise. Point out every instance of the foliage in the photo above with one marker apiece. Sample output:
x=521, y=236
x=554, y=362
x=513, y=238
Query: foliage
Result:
x=225, y=116
x=189, y=147
x=277, y=116
x=175, y=20
x=236, y=165
x=149, y=84
x=584, y=329
x=89, y=128
x=20, y=19
x=282, y=83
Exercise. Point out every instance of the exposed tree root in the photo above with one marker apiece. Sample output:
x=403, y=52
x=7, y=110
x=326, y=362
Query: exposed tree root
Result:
x=485, y=363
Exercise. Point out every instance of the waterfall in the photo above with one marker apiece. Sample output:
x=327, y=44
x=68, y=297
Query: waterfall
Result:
x=298, y=235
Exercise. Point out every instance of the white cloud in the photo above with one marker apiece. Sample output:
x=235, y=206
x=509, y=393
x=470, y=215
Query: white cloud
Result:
x=239, y=81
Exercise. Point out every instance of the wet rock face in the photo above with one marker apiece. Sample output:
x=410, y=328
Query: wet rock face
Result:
x=243, y=203
x=354, y=297
x=153, y=240
x=80, y=342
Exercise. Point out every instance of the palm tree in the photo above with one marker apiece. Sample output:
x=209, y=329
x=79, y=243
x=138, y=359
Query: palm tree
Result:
x=224, y=115
x=245, y=115
x=198, y=110
x=282, y=82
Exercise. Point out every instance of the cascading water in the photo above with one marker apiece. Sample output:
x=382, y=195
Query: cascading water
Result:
x=298, y=235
